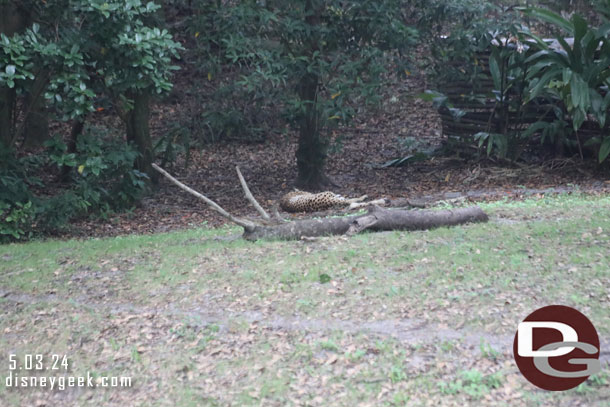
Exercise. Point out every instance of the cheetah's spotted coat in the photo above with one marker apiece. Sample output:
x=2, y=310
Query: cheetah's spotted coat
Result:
x=302, y=201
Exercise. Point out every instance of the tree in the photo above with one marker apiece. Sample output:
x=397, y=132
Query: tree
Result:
x=134, y=61
x=12, y=20
x=317, y=58
x=84, y=52
x=71, y=58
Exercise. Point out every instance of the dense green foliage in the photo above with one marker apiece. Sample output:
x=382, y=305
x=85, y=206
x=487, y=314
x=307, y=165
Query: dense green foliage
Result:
x=577, y=75
x=89, y=51
x=318, y=59
x=102, y=179
x=79, y=57
x=551, y=92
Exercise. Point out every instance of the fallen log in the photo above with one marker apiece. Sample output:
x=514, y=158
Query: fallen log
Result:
x=376, y=219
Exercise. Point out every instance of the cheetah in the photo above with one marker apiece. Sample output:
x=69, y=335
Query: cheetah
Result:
x=302, y=201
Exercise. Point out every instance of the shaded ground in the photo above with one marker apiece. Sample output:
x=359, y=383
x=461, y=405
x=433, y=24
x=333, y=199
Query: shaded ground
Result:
x=376, y=137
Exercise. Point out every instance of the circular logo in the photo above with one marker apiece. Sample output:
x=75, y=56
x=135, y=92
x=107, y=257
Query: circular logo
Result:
x=556, y=348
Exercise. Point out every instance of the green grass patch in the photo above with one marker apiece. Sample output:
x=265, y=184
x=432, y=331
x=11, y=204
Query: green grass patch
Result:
x=182, y=311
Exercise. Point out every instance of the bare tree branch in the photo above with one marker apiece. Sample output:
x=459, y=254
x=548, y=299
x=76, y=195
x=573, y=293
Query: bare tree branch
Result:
x=246, y=224
x=358, y=205
x=250, y=197
x=276, y=213
x=375, y=219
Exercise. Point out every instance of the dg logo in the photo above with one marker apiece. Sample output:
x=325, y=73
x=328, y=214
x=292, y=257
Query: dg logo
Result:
x=556, y=348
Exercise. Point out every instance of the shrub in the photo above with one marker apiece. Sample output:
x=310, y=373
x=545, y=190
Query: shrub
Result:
x=506, y=87
x=480, y=70
x=80, y=52
x=17, y=213
x=102, y=171
x=15, y=220
x=576, y=77
x=177, y=139
x=102, y=180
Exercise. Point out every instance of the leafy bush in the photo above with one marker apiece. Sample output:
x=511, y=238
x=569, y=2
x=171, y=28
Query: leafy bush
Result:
x=81, y=52
x=577, y=75
x=480, y=69
x=235, y=111
x=603, y=8
x=102, y=180
x=510, y=87
x=439, y=17
x=235, y=56
x=16, y=211
x=15, y=220
x=102, y=171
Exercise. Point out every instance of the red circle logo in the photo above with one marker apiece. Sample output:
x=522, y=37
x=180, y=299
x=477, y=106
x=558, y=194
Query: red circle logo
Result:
x=556, y=348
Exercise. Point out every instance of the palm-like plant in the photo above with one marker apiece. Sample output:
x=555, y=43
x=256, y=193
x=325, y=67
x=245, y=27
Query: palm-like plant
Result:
x=576, y=72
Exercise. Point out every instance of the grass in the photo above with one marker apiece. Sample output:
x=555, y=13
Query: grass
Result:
x=199, y=318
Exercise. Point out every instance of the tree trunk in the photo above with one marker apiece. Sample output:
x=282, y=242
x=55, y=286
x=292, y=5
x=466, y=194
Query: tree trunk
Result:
x=11, y=21
x=77, y=130
x=311, y=153
x=36, y=128
x=376, y=219
x=7, y=106
x=138, y=132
